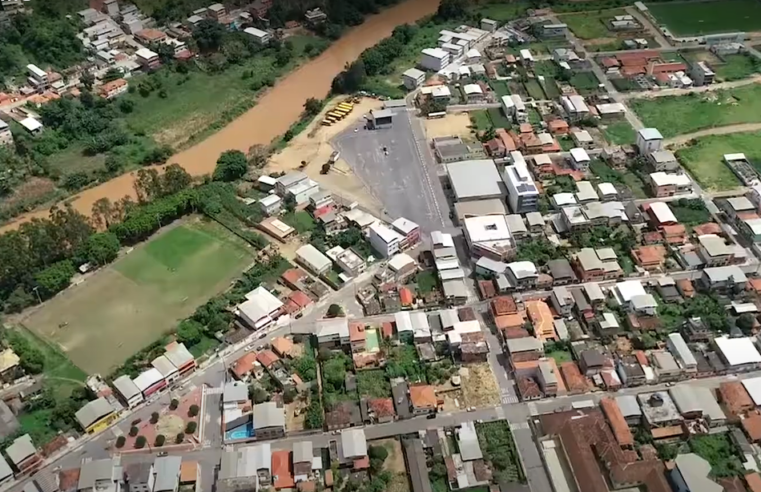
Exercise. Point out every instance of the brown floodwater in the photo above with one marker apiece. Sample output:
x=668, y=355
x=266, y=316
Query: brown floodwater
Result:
x=274, y=113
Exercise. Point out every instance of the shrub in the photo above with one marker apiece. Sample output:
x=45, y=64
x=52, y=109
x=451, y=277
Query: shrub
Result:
x=174, y=404
x=180, y=438
x=159, y=440
x=190, y=428
x=193, y=410
x=120, y=441
x=133, y=431
x=154, y=417
x=140, y=442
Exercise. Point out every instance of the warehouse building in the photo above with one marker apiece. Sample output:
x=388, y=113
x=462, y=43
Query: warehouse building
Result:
x=475, y=180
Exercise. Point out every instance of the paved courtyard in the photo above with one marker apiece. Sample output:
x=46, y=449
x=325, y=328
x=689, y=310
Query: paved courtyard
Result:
x=405, y=180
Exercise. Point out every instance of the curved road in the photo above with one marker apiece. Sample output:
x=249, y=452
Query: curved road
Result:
x=274, y=112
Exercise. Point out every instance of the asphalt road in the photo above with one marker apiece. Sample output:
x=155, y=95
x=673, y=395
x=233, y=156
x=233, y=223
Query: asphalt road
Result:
x=405, y=180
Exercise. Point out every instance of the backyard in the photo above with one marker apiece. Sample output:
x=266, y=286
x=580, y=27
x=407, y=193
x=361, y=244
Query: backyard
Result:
x=677, y=115
x=373, y=384
x=708, y=17
x=584, y=82
x=620, y=133
x=131, y=303
x=704, y=159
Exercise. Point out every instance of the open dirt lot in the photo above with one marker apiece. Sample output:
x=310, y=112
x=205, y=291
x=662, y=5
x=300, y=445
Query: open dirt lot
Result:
x=295, y=422
x=452, y=124
x=453, y=400
x=479, y=387
x=313, y=146
x=124, y=307
x=394, y=464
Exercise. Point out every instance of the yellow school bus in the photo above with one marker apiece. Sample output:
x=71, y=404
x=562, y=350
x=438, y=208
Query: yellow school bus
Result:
x=346, y=107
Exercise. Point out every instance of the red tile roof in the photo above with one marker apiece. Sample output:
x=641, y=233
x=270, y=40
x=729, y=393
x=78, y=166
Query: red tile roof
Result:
x=707, y=228
x=507, y=140
x=656, y=68
x=754, y=482
x=752, y=426
x=574, y=380
x=528, y=388
x=293, y=275
x=617, y=422
x=423, y=396
x=387, y=328
x=244, y=365
x=300, y=299
x=267, y=357
x=486, y=288
x=641, y=358
x=735, y=398
x=281, y=470
x=405, y=296
x=282, y=346
x=357, y=332
x=382, y=407
x=503, y=305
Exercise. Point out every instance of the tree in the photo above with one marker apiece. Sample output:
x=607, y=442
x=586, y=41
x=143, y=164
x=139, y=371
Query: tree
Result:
x=180, y=438
x=745, y=322
x=259, y=395
x=190, y=332
x=54, y=279
x=154, y=417
x=314, y=417
x=126, y=106
x=193, y=410
x=87, y=80
x=133, y=431
x=335, y=311
x=377, y=452
x=231, y=165
x=102, y=213
x=289, y=395
x=140, y=442
x=102, y=248
x=174, y=404
x=160, y=439
x=647, y=341
x=32, y=360
x=312, y=106
x=452, y=9
x=191, y=427
x=120, y=441
x=175, y=179
x=208, y=35
x=111, y=75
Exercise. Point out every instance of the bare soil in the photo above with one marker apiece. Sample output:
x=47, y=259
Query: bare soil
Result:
x=479, y=387
x=451, y=125
x=31, y=191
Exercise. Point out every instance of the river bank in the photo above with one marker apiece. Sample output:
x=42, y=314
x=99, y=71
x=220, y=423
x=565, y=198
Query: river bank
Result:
x=273, y=113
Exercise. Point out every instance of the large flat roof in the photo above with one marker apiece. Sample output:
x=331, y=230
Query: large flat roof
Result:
x=738, y=351
x=487, y=228
x=474, y=179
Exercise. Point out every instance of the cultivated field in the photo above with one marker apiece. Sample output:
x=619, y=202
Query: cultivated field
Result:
x=709, y=17
x=704, y=159
x=126, y=306
x=677, y=115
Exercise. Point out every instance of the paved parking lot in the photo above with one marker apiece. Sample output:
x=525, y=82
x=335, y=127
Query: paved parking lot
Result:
x=405, y=180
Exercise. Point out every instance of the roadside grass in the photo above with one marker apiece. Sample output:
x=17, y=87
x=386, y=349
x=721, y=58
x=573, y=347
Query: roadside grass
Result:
x=591, y=25
x=704, y=159
x=677, y=115
x=620, y=133
x=708, y=17
x=737, y=67
x=136, y=300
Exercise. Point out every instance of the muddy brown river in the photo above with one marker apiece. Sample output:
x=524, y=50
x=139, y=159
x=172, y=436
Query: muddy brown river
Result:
x=274, y=113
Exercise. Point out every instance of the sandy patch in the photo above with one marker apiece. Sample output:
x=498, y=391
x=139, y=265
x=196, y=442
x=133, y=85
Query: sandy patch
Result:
x=451, y=125
x=479, y=387
x=293, y=421
x=453, y=400
x=313, y=147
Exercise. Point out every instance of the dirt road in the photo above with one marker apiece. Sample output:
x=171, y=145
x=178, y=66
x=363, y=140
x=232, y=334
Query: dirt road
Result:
x=274, y=112
x=721, y=130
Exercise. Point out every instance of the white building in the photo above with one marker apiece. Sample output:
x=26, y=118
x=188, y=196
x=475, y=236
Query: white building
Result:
x=413, y=78
x=526, y=56
x=270, y=204
x=580, y=159
x=261, y=37
x=384, y=240
x=31, y=125
x=313, y=260
x=520, y=113
x=347, y=260
x=739, y=353
x=489, y=236
x=508, y=106
x=38, y=78
x=301, y=192
x=575, y=107
x=130, y=393
x=435, y=59
x=260, y=308
x=649, y=140
x=522, y=193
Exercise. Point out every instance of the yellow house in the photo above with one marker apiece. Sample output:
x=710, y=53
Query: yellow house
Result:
x=96, y=415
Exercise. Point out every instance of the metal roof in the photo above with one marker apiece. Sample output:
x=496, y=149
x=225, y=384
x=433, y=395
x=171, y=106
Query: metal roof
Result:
x=93, y=411
x=268, y=414
x=628, y=406
x=234, y=391
x=21, y=449
x=467, y=441
x=303, y=452
x=353, y=443
x=126, y=387
x=475, y=178
x=167, y=470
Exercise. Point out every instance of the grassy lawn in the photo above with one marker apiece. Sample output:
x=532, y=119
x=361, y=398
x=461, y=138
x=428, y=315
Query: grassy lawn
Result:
x=373, y=383
x=607, y=174
x=500, y=87
x=480, y=119
x=560, y=356
x=716, y=16
x=499, y=10
x=534, y=89
x=498, y=118
x=584, y=82
x=677, y=115
x=704, y=160
x=566, y=143
x=620, y=133
x=591, y=25
x=690, y=212
x=126, y=306
x=737, y=67
x=426, y=281
x=301, y=221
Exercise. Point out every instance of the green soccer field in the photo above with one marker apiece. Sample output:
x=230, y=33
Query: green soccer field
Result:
x=126, y=306
x=709, y=17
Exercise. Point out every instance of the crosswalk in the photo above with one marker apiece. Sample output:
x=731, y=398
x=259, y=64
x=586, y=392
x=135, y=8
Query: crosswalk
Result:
x=519, y=426
x=508, y=399
x=217, y=390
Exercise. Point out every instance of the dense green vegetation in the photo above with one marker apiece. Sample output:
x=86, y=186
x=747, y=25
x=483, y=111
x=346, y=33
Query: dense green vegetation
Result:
x=709, y=17
x=498, y=447
x=719, y=451
x=690, y=212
